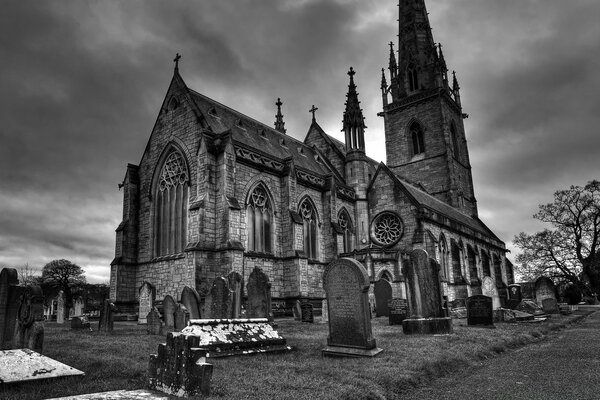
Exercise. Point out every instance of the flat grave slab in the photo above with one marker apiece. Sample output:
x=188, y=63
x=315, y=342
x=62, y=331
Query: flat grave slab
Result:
x=26, y=365
x=141, y=394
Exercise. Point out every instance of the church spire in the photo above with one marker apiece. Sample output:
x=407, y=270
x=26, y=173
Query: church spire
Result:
x=354, y=124
x=456, y=89
x=279, y=124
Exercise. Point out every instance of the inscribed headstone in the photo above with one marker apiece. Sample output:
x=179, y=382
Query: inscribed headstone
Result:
x=182, y=316
x=480, y=310
x=30, y=317
x=235, y=286
x=383, y=293
x=550, y=306
x=9, y=294
x=219, y=300
x=544, y=289
x=488, y=288
x=60, y=308
x=259, y=295
x=154, y=323
x=307, y=312
x=397, y=310
x=107, y=318
x=191, y=300
x=147, y=295
x=169, y=307
x=346, y=285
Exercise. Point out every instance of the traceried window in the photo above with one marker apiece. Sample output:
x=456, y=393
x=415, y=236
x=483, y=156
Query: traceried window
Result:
x=309, y=215
x=386, y=229
x=346, y=226
x=259, y=221
x=418, y=138
x=413, y=78
x=170, y=216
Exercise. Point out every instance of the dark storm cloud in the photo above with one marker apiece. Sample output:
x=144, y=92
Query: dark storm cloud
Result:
x=82, y=82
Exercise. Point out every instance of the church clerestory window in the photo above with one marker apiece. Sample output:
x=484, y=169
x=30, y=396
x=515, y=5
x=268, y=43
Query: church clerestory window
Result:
x=309, y=216
x=418, y=138
x=346, y=227
x=171, y=195
x=259, y=221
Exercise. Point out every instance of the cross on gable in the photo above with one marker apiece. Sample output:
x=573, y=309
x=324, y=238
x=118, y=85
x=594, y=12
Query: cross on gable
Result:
x=312, y=110
x=176, y=60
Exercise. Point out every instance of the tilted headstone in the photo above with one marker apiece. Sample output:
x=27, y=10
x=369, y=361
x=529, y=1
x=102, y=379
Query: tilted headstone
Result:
x=107, y=317
x=182, y=316
x=259, y=295
x=30, y=325
x=191, y=300
x=235, y=287
x=9, y=306
x=147, y=296
x=169, y=307
x=346, y=284
x=60, y=308
x=488, y=288
x=397, y=310
x=550, y=306
x=219, y=300
x=531, y=307
x=383, y=293
x=480, y=310
x=324, y=311
x=544, y=289
x=307, y=312
x=154, y=323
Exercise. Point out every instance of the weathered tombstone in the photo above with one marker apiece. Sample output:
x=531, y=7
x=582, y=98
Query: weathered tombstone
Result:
x=107, y=317
x=60, y=308
x=346, y=285
x=80, y=323
x=259, y=295
x=219, y=300
x=147, y=295
x=324, y=311
x=544, y=289
x=169, y=307
x=515, y=295
x=30, y=317
x=297, y=311
x=424, y=297
x=397, y=310
x=235, y=287
x=307, y=312
x=383, y=293
x=182, y=316
x=480, y=311
x=550, y=306
x=9, y=294
x=78, y=306
x=203, y=287
x=531, y=307
x=191, y=300
x=154, y=323
x=488, y=288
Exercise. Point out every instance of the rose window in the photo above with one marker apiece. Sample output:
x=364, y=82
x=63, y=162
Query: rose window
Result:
x=387, y=229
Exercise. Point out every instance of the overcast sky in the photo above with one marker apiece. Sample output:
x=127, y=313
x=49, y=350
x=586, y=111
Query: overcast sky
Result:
x=82, y=82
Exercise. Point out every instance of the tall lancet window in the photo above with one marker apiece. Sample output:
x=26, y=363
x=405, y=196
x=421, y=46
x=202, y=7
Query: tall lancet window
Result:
x=417, y=138
x=454, y=136
x=170, y=212
x=413, y=78
x=309, y=215
x=259, y=221
x=346, y=227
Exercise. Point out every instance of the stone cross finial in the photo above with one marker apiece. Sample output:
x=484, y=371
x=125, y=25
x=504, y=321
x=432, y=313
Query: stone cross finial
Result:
x=176, y=60
x=313, y=110
x=351, y=72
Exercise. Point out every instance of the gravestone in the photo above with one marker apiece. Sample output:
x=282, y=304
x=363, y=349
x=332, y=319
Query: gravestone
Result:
x=9, y=305
x=480, y=310
x=107, y=317
x=488, y=288
x=78, y=306
x=307, y=312
x=531, y=307
x=147, y=296
x=515, y=295
x=383, y=293
x=191, y=300
x=346, y=285
x=181, y=317
x=80, y=323
x=219, y=300
x=397, y=310
x=550, y=306
x=203, y=287
x=154, y=323
x=169, y=307
x=259, y=295
x=324, y=311
x=544, y=289
x=235, y=287
x=297, y=311
x=424, y=296
x=30, y=317
x=60, y=308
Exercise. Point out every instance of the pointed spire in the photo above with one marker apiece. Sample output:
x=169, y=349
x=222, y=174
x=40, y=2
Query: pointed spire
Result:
x=456, y=89
x=279, y=124
x=384, y=88
x=393, y=66
x=354, y=124
x=441, y=56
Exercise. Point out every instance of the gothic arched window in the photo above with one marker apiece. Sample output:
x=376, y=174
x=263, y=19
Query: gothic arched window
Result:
x=309, y=215
x=170, y=206
x=259, y=221
x=413, y=78
x=443, y=251
x=346, y=225
x=454, y=140
x=418, y=138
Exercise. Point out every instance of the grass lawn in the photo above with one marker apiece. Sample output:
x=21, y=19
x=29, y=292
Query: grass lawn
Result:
x=119, y=361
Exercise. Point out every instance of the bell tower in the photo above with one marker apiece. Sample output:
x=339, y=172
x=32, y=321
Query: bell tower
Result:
x=423, y=117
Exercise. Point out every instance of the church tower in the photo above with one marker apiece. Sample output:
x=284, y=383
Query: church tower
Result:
x=423, y=117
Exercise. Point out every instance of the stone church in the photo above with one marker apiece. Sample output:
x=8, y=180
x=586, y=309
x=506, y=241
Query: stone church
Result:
x=217, y=191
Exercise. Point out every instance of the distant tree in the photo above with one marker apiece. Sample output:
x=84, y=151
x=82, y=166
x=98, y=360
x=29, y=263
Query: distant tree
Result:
x=62, y=275
x=27, y=275
x=571, y=247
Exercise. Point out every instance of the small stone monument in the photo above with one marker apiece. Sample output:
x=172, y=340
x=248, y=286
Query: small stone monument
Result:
x=550, y=306
x=30, y=317
x=397, y=310
x=80, y=323
x=383, y=293
x=346, y=285
x=324, y=311
x=424, y=297
x=218, y=300
x=147, y=296
x=181, y=316
x=154, y=323
x=169, y=307
x=307, y=312
x=480, y=311
x=297, y=311
x=488, y=288
x=9, y=305
x=259, y=295
x=78, y=306
x=191, y=300
x=544, y=289
x=107, y=317
x=235, y=287
x=515, y=295
x=60, y=308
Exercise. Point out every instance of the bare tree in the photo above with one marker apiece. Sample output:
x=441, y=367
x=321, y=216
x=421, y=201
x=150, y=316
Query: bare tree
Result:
x=27, y=275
